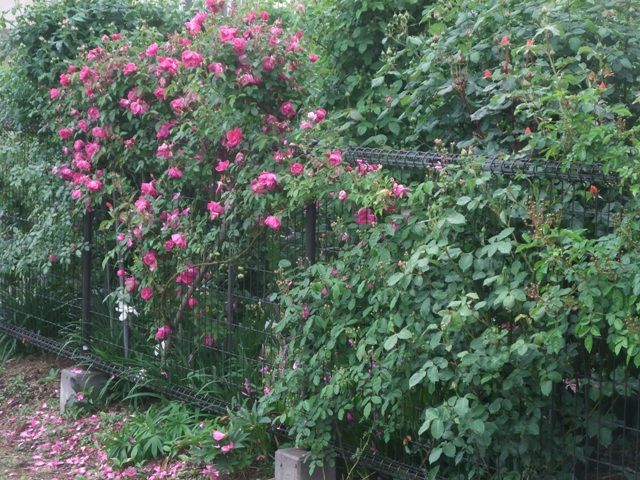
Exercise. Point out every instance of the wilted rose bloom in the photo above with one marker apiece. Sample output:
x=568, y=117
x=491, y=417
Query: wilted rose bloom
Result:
x=335, y=158
x=146, y=293
x=320, y=115
x=234, y=137
x=93, y=185
x=305, y=312
x=214, y=5
x=191, y=59
x=215, y=210
x=365, y=216
x=163, y=333
x=287, y=109
x=129, y=143
x=296, y=168
x=174, y=172
x=227, y=448
x=129, y=68
x=169, y=245
x=272, y=222
x=304, y=125
x=150, y=260
x=216, y=68
x=130, y=284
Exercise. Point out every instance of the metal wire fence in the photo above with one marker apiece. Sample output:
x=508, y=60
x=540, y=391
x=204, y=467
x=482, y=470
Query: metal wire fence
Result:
x=224, y=349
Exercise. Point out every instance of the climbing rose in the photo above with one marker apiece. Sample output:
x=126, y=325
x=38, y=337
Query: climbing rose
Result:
x=142, y=205
x=216, y=68
x=174, y=172
x=215, y=210
x=146, y=293
x=150, y=260
x=335, y=158
x=129, y=68
x=266, y=181
x=130, y=284
x=94, y=185
x=218, y=436
x=163, y=332
x=296, y=168
x=152, y=50
x=399, y=191
x=272, y=222
x=179, y=240
x=227, y=34
x=53, y=93
x=149, y=189
x=222, y=166
x=192, y=302
x=234, y=137
x=287, y=109
x=342, y=195
x=191, y=59
x=65, y=133
x=168, y=64
x=365, y=216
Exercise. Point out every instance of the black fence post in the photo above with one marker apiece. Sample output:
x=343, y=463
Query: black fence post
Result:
x=310, y=237
x=231, y=278
x=87, y=231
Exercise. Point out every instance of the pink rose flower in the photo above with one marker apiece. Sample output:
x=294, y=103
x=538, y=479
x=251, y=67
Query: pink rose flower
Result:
x=169, y=245
x=129, y=68
x=313, y=58
x=179, y=240
x=65, y=79
x=93, y=185
x=191, y=59
x=365, y=216
x=215, y=210
x=93, y=113
x=399, y=191
x=174, y=172
x=217, y=69
x=218, y=436
x=296, y=168
x=342, y=195
x=91, y=149
x=152, y=50
x=150, y=260
x=98, y=132
x=65, y=133
x=227, y=448
x=163, y=333
x=214, y=5
x=266, y=181
x=222, y=166
x=146, y=293
x=168, y=64
x=76, y=194
x=159, y=93
x=148, y=188
x=178, y=105
x=239, y=45
x=269, y=63
x=192, y=302
x=287, y=109
x=272, y=222
x=164, y=151
x=130, y=284
x=53, y=93
x=142, y=205
x=234, y=137
x=227, y=34
x=335, y=158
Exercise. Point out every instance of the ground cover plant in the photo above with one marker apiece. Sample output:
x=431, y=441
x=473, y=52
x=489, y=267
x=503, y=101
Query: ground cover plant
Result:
x=447, y=314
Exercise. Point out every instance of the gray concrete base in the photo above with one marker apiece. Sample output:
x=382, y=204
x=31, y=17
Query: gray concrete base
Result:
x=75, y=381
x=291, y=464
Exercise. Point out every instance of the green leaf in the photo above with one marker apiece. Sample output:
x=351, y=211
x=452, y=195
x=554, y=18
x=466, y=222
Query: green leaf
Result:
x=435, y=454
x=437, y=428
x=416, y=378
x=391, y=342
x=455, y=218
x=395, y=278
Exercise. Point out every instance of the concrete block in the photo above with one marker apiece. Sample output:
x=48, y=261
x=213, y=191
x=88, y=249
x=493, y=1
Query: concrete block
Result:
x=292, y=464
x=76, y=381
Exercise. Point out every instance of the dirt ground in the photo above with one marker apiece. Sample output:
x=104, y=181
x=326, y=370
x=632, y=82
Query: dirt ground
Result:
x=37, y=443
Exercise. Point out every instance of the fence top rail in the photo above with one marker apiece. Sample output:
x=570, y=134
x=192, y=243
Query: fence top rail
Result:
x=418, y=160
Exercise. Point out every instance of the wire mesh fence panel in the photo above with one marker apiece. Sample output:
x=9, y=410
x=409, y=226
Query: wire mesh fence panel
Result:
x=225, y=347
